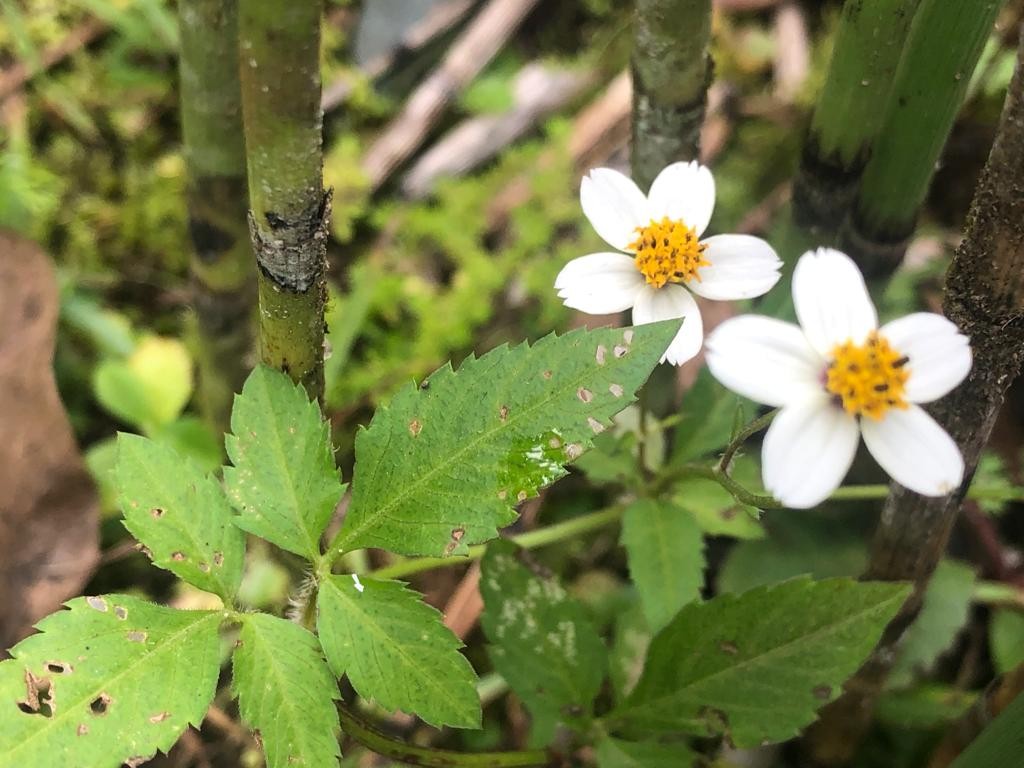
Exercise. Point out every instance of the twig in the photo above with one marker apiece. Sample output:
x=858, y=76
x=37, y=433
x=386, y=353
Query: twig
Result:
x=438, y=20
x=473, y=50
x=539, y=90
x=14, y=78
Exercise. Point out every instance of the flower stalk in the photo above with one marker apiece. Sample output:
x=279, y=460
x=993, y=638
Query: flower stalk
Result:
x=848, y=113
x=984, y=294
x=671, y=74
x=943, y=47
x=289, y=211
x=223, y=288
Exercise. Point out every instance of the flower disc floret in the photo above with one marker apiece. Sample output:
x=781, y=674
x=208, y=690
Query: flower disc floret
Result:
x=868, y=378
x=668, y=251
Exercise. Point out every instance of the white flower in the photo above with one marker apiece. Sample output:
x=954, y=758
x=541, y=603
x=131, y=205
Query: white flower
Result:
x=661, y=232
x=838, y=375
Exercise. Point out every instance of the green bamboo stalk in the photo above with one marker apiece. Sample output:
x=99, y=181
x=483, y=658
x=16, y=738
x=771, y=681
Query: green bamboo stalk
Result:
x=848, y=113
x=671, y=74
x=984, y=294
x=280, y=73
x=223, y=290
x=944, y=44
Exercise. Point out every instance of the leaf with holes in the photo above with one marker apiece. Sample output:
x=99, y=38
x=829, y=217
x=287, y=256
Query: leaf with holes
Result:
x=286, y=692
x=180, y=514
x=396, y=651
x=665, y=550
x=110, y=680
x=542, y=641
x=284, y=483
x=759, y=665
x=443, y=465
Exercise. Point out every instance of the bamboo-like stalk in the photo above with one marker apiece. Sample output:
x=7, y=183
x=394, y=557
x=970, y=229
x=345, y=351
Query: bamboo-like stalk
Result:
x=943, y=47
x=223, y=289
x=280, y=73
x=848, y=113
x=671, y=74
x=984, y=297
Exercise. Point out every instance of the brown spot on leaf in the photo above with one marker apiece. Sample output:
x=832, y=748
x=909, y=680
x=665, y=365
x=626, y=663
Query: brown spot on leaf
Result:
x=177, y=556
x=159, y=717
x=135, y=636
x=620, y=351
x=218, y=559
x=573, y=451
x=627, y=336
x=453, y=542
x=100, y=705
x=40, y=698
x=546, y=374
x=203, y=566
x=823, y=692
x=595, y=425
x=554, y=442
x=137, y=760
x=502, y=494
x=82, y=729
x=97, y=603
x=728, y=513
x=503, y=413
x=121, y=612
x=415, y=427
x=156, y=512
x=522, y=496
x=729, y=647
x=59, y=667
x=616, y=389
x=584, y=394
x=600, y=355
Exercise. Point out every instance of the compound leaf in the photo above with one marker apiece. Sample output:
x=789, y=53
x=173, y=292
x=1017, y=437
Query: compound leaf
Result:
x=759, y=665
x=396, y=651
x=542, y=641
x=180, y=514
x=441, y=467
x=665, y=550
x=111, y=680
x=284, y=483
x=286, y=692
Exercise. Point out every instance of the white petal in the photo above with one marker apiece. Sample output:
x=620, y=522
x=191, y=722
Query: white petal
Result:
x=807, y=452
x=764, y=359
x=832, y=302
x=684, y=192
x=614, y=205
x=940, y=356
x=600, y=283
x=653, y=304
x=741, y=267
x=915, y=451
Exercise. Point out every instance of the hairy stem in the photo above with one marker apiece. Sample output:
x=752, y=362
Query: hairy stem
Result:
x=671, y=74
x=223, y=289
x=280, y=72
x=848, y=112
x=376, y=740
x=984, y=296
x=943, y=47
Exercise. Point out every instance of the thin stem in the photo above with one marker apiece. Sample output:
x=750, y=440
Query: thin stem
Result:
x=377, y=741
x=743, y=435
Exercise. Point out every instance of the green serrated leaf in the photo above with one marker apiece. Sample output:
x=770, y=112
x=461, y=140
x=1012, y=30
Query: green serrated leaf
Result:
x=284, y=483
x=616, y=753
x=631, y=639
x=286, y=692
x=441, y=467
x=944, y=612
x=714, y=508
x=1006, y=639
x=111, y=679
x=1001, y=741
x=665, y=550
x=180, y=514
x=396, y=651
x=542, y=641
x=759, y=665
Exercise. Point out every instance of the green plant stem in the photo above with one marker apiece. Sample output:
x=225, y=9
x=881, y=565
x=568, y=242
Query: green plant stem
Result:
x=280, y=73
x=223, y=287
x=945, y=42
x=742, y=436
x=377, y=741
x=671, y=74
x=848, y=113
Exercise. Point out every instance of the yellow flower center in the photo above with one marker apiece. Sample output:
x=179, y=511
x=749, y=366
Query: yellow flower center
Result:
x=668, y=251
x=869, y=378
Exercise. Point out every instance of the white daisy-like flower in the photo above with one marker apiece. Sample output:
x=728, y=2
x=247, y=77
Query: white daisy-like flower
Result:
x=662, y=257
x=837, y=376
